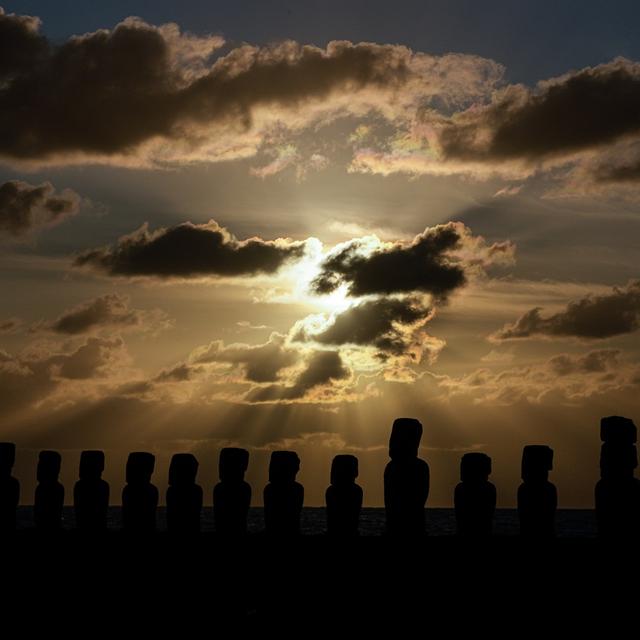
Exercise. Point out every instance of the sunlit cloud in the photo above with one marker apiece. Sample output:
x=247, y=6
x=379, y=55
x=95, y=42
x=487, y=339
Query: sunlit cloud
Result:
x=189, y=251
x=593, y=317
x=184, y=102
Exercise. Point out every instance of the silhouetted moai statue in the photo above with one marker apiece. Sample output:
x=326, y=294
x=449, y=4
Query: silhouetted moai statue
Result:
x=139, y=497
x=475, y=496
x=406, y=480
x=184, y=496
x=283, y=496
x=618, y=491
x=91, y=493
x=232, y=495
x=47, y=507
x=9, y=488
x=343, y=497
x=537, y=497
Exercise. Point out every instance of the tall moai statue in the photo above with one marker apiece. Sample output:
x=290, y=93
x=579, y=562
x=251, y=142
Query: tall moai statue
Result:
x=49, y=498
x=283, y=496
x=184, y=496
x=617, y=493
x=9, y=488
x=537, y=497
x=475, y=496
x=232, y=495
x=406, y=480
x=139, y=497
x=91, y=493
x=343, y=497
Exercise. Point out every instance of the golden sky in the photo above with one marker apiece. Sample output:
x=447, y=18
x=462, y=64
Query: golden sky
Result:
x=209, y=242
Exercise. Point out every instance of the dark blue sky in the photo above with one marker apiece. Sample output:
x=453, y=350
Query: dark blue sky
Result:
x=534, y=40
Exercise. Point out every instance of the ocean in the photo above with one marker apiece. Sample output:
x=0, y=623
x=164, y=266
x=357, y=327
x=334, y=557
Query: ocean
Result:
x=570, y=523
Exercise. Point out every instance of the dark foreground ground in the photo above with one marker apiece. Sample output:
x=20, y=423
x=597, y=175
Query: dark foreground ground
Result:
x=433, y=587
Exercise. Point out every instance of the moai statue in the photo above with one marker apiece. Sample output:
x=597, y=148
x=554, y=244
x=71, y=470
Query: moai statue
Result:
x=617, y=492
x=91, y=493
x=47, y=507
x=139, y=497
x=537, y=497
x=343, y=497
x=475, y=496
x=184, y=496
x=9, y=488
x=232, y=495
x=283, y=496
x=406, y=480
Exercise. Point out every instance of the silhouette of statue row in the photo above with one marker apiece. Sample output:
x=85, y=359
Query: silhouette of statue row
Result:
x=406, y=489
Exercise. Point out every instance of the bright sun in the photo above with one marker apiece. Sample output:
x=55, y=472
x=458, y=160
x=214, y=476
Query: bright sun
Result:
x=303, y=274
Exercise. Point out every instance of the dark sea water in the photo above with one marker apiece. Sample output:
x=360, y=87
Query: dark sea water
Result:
x=574, y=523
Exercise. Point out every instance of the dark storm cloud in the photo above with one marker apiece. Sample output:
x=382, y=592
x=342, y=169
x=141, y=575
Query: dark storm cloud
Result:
x=262, y=363
x=379, y=323
x=190, y=250
x=107, y=93
x=25, y=208
x=322, y=367
x=423, y=265
x=591, y=318
x=581, y=110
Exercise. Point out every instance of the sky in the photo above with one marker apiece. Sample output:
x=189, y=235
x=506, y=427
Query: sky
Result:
x=283, y=225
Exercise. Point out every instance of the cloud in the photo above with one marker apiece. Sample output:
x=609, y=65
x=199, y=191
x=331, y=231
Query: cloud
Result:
x=322, y=368
x=180, y=373
x=110, y=311
x=579, y=110
x=25, y=208
x=260, y=363
x=434, y=262
x=593, y=362
x=139, y=94
x=288, y=156
x=589, y=318
x=246, y=324
x=583, y=120
x=564, y=378
x=44, y=370
x=188, y=251
x=10, y=325
x=21, y=46
x=92, y=359
x=387, y=324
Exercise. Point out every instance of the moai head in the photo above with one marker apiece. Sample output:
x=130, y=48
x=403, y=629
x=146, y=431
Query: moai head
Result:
x=475, y=467
x=283, y=466
x=618, y=455
x=618, y=430
x=183, y=469
x=91, y=465
x=49, y=463
x=537, y=461
x=344, y=470
x=7, y=457
x=140, y=465
x=232, y=464
x=405, y=438
x=618, y=459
